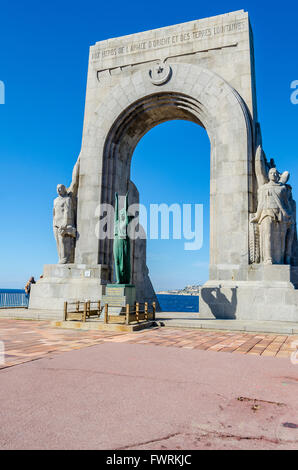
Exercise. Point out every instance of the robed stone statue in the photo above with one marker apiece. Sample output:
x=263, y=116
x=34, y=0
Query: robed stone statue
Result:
x=64, y=218
x=276, y=213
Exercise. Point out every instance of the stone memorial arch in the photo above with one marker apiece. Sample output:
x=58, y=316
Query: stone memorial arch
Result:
x=201, y=71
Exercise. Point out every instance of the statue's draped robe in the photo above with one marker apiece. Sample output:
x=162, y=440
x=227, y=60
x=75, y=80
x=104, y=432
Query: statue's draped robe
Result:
x=64, y=219
x=121, y=246
x=64, y=229
x=274, y=215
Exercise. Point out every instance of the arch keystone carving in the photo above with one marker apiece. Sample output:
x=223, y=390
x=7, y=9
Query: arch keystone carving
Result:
x=160, y=73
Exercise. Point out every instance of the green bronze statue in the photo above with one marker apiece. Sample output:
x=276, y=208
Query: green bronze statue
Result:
x=121, y=245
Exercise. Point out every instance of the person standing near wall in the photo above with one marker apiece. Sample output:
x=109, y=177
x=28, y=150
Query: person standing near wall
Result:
x=28, y=288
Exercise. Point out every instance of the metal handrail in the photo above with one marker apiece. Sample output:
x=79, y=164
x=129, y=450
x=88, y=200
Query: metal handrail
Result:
x=13, y=300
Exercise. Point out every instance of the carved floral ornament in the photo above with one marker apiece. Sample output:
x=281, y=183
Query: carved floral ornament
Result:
x=160, y=73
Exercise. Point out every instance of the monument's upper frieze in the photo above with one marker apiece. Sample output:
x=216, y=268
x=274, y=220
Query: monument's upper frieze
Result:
x=185, y=38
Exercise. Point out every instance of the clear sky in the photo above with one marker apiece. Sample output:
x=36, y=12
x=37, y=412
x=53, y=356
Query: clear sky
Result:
x=44, y=50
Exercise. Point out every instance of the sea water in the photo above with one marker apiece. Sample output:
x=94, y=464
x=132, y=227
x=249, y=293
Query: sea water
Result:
x=168, y=303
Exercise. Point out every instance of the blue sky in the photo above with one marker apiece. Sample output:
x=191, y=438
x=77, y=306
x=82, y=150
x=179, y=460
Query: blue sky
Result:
x=43, y=63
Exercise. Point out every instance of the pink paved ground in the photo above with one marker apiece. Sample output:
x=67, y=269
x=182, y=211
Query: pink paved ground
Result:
x=118, y=395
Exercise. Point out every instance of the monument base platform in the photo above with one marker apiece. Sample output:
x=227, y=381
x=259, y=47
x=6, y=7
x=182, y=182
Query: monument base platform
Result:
x=269, y=294
x=68, y=282
x=99, y=326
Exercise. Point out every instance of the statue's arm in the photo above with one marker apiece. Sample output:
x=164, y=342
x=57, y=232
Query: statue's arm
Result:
x=73, y=188
x=260, y=167
x=285, y=204
x=128, y=217
x=116, y=208
x=284, y=177
x=126, y=202
x=54, y=215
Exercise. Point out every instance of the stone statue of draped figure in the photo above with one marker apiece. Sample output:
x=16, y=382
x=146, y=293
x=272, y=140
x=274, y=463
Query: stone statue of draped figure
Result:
x=121, y=246
x=64, y=218
x=276, y=213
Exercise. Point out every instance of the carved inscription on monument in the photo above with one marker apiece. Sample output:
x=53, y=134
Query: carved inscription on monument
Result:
x=183, y=37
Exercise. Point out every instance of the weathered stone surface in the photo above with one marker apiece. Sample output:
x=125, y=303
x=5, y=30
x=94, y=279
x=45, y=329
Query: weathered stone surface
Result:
x=68, y=282
x=259, y=300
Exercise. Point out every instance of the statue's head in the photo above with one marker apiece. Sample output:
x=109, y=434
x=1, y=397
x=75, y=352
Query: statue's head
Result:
x=274, y=175
x=61, y=190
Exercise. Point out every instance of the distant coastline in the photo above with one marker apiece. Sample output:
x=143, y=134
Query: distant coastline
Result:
x=188, y=290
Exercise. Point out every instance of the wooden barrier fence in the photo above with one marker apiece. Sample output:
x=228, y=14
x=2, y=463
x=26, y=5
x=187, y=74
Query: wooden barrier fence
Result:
x=82, y=311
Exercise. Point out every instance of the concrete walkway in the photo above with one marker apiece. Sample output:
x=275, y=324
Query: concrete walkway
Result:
x=193, y=320
x=166, y=389
x=31, y=314
x=25, y=341
x=173, y=320
x=133, y=396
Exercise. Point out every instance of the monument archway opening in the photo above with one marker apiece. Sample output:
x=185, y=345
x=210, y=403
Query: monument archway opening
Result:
x=175, y=202
x=128, y=130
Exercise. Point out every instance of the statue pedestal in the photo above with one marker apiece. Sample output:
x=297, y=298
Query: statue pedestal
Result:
x=118, y=296
x=269, y=293
x=68, y=282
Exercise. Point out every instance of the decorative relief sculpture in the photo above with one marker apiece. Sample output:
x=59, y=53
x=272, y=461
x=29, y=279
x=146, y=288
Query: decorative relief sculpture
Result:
x=121, y=246
x=254, y=241
x=276, y=213
x=64, y=218
x=160, y=73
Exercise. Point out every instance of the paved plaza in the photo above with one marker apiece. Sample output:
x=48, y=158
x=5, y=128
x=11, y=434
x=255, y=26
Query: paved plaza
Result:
x=162, y=389
x=28, y=340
